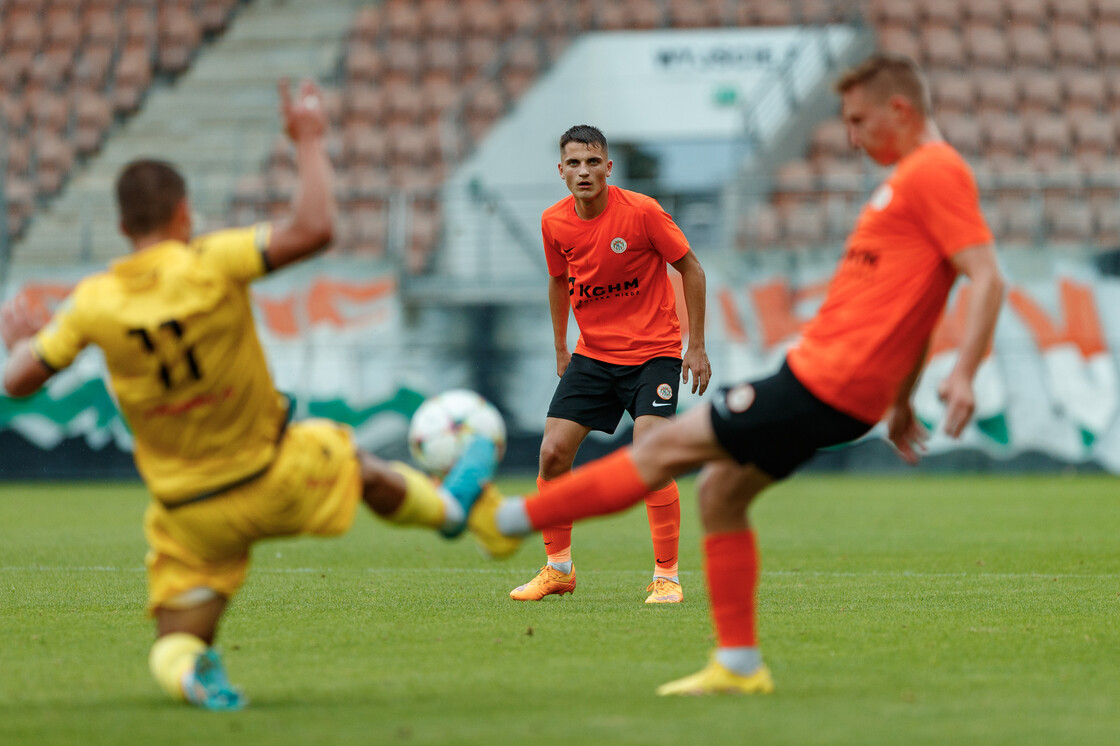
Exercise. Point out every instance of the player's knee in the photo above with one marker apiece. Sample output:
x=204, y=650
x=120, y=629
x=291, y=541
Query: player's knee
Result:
x=374, y=471
x=704, y=482
x=716, y=512
x=383, y=489
x=190, y=599
x=556, y=459
x=721, y=495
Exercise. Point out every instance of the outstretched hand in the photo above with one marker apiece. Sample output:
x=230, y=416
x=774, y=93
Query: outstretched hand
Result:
x=906, y=433
x=305, y=116
x=19, y=319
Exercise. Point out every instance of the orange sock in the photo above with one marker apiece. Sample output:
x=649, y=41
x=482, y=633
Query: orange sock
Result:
x=731, y=564
x=557, y=539
x=663, y=507
x=608, y=485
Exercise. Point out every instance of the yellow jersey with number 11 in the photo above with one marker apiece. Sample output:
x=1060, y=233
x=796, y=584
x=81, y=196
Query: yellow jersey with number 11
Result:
x=176, y=327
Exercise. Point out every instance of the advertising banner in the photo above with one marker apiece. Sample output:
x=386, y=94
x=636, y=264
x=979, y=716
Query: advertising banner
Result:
x=338, y=341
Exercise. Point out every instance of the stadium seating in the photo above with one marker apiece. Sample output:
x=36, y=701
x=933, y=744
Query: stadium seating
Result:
x=1025, y=89
x=1021, y=88
x=71, y=69
x=425, y=80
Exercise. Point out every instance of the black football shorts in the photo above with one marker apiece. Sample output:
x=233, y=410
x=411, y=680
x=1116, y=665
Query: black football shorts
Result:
x=777, y=424
x=595, y=394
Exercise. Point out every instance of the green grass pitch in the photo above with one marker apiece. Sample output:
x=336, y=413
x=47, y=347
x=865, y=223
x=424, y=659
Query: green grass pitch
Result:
x=912, y=610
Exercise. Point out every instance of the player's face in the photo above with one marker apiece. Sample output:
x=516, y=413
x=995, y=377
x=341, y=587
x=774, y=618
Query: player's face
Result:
x=874, y=125
x=585, y=169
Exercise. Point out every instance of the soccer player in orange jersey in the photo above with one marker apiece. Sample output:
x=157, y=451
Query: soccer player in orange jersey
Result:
x=213, y=441
x=607, y=249
x=857, y=362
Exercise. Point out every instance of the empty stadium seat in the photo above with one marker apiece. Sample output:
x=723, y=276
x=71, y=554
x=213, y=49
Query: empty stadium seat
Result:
x=1107, y=10
x=900, y=40
x=1084, y=90
x=366, y=24
x=953, y=92
x=1106, y=224
x=947, y=13
x=1005, y=137
x=690, y=14
x=1094, y=137
x=987, y=46
x=891, y=12
x=179, y=36
x=963, y=132
x=1107, y=33
x=1041, y=92
x=1029, y=46
x=1072, y=11
x=402, y=19
x=1070, y=223
x=1017, y=222
x=1074, y=45
x=942, y=47
x=996, y=92
x=1028, y=12
x=1049, y=140
x=989, y=12
x=93, y=117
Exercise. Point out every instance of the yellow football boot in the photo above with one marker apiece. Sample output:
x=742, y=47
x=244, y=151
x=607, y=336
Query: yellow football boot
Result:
x=483, y=524
x=715, y=679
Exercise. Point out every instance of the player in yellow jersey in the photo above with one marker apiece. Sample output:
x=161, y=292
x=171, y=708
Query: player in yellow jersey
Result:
x=214, y=444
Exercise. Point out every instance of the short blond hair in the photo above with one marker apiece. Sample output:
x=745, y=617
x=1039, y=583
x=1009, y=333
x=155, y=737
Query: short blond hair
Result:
x=886, y=74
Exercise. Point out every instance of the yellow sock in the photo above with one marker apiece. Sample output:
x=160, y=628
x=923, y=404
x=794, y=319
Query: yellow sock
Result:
x=171, y=658
x=423, y=504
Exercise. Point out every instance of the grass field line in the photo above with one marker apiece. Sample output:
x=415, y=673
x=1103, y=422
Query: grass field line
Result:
x=505, y=570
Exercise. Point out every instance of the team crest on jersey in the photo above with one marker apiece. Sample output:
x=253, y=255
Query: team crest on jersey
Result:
x=881, y=197
x=740, y=398
x=665, y=391
x=618, y=245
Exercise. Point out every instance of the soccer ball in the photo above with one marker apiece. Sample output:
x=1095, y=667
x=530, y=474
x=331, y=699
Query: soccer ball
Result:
x=443, y=424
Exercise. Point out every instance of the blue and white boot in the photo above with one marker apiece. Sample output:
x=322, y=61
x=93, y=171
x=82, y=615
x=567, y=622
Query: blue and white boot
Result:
x=467, y=478
x=210, y=688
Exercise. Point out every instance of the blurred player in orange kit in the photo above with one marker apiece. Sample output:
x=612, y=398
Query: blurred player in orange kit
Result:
x=857, y=362
x=213, y=442
x=607, y=249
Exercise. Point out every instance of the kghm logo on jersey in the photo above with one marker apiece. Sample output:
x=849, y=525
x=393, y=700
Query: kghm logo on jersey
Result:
x=618, y=245
x=665, y=391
